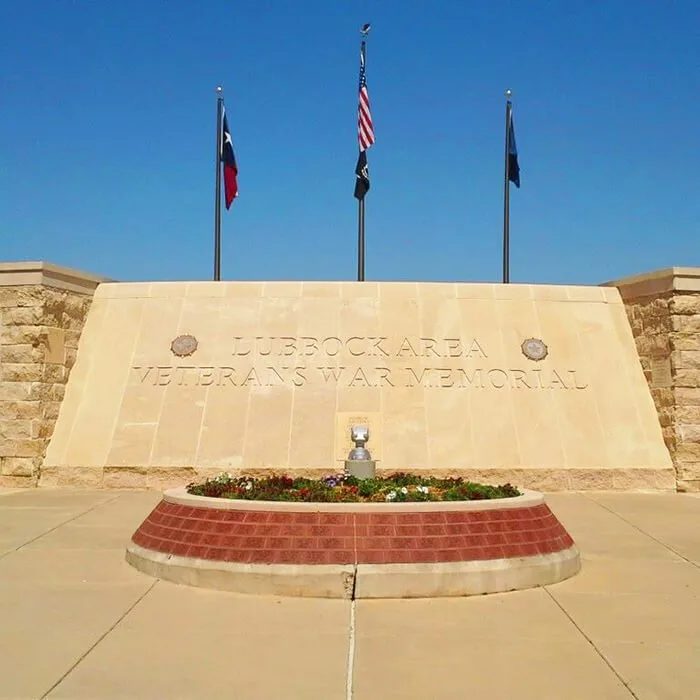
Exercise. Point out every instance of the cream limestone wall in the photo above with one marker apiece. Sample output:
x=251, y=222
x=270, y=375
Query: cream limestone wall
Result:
x=282, y=369
x=664, y=312
x=42, y=311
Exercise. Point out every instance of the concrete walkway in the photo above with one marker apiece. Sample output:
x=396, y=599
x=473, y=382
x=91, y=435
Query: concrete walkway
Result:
x=77, y=622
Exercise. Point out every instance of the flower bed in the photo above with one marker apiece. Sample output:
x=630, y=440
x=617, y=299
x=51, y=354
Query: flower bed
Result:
x=342, y=488
x=353, y=549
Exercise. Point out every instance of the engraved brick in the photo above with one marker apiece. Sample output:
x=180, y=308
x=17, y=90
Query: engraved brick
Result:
x=334, y=518
x=257, y=517
x=397, y=556
x=385, y=518
x=433, y=518
x=433, y=530
x=372, y=557
x=380, y=530
x=366, y=543
x=342, y=556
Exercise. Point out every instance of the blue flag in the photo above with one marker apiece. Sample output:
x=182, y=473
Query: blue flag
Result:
x=513, y=167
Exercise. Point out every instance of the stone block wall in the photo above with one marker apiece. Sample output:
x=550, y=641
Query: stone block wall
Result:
x=42, y=312
x=664, y=311
x=43, y=308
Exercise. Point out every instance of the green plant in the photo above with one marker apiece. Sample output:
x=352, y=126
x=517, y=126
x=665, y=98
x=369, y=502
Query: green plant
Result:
x=398, y=487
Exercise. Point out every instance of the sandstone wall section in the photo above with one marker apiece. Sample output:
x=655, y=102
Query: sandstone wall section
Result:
x=42, y=312
x=664, y=312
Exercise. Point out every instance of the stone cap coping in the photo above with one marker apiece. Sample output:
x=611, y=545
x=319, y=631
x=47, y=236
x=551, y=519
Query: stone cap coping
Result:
x=15, y=274
x=353, y=290
x=179, y=496
x=670, y=279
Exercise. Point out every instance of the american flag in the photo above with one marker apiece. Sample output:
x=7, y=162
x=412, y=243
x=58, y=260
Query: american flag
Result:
x=365, y=130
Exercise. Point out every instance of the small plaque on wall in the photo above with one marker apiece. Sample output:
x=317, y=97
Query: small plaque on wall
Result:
x=661, y=373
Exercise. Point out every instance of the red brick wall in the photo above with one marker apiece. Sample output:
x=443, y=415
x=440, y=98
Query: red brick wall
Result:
x=283, y=537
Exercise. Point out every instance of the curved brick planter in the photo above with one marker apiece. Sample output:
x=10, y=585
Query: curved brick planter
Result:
x=362, y=550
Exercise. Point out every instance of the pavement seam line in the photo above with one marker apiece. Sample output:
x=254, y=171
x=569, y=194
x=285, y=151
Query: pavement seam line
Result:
x=351, y=651
x=55, y=527
x=99, y=639
x=590, y=641
x=644, y=532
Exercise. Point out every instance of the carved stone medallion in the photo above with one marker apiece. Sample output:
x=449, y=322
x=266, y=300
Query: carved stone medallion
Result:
x=534, y=349
x=184, y=345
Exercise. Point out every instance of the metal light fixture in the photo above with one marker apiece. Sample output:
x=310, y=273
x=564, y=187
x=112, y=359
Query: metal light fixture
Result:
x=359, y=434
x=359, y=462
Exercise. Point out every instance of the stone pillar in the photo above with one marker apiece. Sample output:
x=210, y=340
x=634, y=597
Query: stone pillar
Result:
x=664, y=311
x=42, y=312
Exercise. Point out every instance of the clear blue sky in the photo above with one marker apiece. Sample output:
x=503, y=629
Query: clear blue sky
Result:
x=107, y=117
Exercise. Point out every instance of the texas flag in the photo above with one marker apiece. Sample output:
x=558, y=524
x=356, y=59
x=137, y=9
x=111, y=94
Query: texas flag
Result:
x=228, y=158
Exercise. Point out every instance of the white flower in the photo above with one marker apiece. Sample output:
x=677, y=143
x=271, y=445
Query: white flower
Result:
x=422, y=489
x=404, y=489
x=390, y=496
x=248, y=485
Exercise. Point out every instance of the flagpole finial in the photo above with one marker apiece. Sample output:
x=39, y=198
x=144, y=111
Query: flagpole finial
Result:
x=219, y=90
x=365, y=30
x=508, y=93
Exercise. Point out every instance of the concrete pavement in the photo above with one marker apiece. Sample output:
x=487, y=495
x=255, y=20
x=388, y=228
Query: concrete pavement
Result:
x=77, y=622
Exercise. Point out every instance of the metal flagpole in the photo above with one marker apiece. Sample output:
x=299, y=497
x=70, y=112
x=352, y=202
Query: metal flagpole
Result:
x=361, y=203
x=506, y=195
x=361, y=240
x=217, y=201
x=365, y=138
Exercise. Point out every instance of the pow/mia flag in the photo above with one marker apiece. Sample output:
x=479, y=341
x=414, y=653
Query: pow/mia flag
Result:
x=361, y=176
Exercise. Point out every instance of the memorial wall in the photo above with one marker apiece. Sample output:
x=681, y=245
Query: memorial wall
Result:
x=537, y=385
